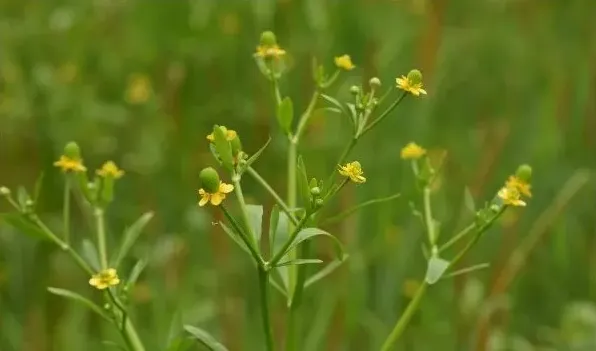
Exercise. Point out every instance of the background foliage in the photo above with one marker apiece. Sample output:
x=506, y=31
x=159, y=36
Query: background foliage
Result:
x=142, y=82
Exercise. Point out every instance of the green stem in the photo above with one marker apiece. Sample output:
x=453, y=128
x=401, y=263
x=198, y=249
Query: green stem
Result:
x=253, y=251
x=101, y=237
x=284, y=207
x=349, y=211
x=75, y=256
x=383, y=115
x=457, y=237
x=264, y=294
x=405, y=318
x=276, y=91
x=428, y=218
x=280, y=254
x=66, y=210
x=306, y=116
x=243, y=210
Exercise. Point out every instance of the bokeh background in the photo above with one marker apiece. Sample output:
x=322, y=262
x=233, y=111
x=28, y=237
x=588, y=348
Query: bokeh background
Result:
x=142, y=82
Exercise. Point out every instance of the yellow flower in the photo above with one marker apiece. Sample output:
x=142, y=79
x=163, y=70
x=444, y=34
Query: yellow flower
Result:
x=109, y=169
x=409, y=85
x=353, y=171
x=230, y=134
x=270, y=51
x=344, y=62
x=520, y=185
x=105, y=279
x=511, y=196
x=138, y=90
x=412, y=151
x=70, y=164
x=217, y=197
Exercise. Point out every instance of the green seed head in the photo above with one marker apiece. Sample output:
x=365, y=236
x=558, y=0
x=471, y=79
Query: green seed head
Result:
x=374, y=82
x=415, y=76
x=72, y=150
x=268, y=38
x=524, y=172
x=354, y=90
x=209, y=180
x=316, y=191
x=319, y=202
x=4, y=191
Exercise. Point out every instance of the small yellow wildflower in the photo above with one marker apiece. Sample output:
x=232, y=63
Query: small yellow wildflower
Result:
x=353, y=171
x=412, y=151
x=412, y=83
x=270, y=51
x=344, y=62
x=217, y=197
x=230, y=134
x=522, y=186
x=109, y=169
x=511, y=196
x=69, y=164
x=138, y=90
x=105, y=279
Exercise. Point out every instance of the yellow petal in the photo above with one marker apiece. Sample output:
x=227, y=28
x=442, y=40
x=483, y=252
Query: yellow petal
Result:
x=204, y=199
x=217, y=198
x=422, y=91
x=225, y=188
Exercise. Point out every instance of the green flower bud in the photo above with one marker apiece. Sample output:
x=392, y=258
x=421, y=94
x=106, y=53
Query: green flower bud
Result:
x=72, y=151
x=319, y=202
x=524, y=172
x=374, y=82
x=236, y=146
x=354, y=90
x=209, y=180
x=316, y=191
x=107, y=306
x=415, y=76
x=4, y=191
x=268, y=38
x=312, y=183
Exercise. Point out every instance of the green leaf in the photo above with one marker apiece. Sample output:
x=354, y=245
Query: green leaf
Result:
x=179, y=343
x=205, y=338
x=22, y=197
x=277, y=286
x=309, y=233
x=279, y=238
x=257, y=154
x=82, y=300
x=298, y=262
x=273, y=221
x=130, y=236
x=22, y=224
x=255, y=220
x=37, y=188
x=303, y=186
x=436, y=268
x=325, y=271
x=285, y=114
x=236, y=237
x=466, y=270
x=469, y=200
x=115, y=345
x=136, y=271
x=89, y=252
x=223, y=148
x=335, y=103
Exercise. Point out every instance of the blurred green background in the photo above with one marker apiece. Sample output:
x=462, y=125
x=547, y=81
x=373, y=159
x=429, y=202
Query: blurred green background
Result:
x=142, y=82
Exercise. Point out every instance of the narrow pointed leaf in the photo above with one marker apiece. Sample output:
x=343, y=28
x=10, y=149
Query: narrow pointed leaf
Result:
x=257, y=154
x=335, y=103
x=278, y=287
x=236, y=237
x=205, y=338
x=89, y=252
x=273, y=221
x=285, y=114
x=469, y=201
x=303, y=186
x=466, y=270
x=325, y=271
x=255, y=219
x=309, y=233
x=130, y=236
x=436, y=268
x=298, y=262
x=22, y=196
x=80, y=299
x=37, y=189
x=136, y=271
